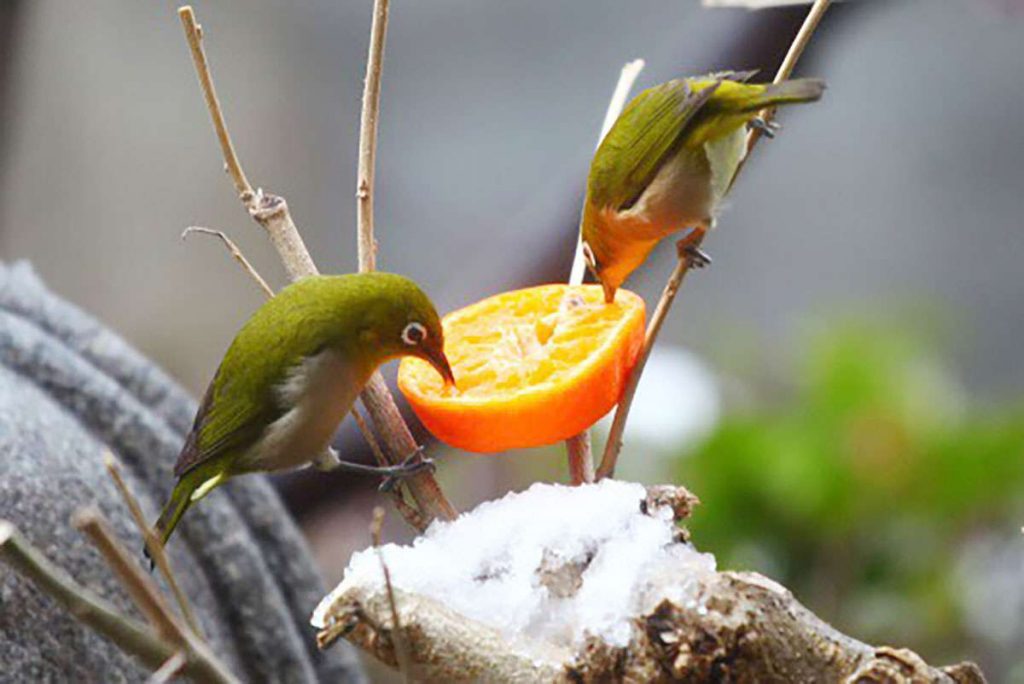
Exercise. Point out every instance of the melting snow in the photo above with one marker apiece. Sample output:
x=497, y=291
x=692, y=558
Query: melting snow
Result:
x=484, y=565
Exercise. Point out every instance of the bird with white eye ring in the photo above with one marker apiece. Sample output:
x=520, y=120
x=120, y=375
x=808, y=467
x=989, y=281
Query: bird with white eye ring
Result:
x=293, y=372
x=414, y=334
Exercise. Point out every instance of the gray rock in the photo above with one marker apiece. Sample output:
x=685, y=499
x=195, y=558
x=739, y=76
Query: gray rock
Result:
x=71, y=390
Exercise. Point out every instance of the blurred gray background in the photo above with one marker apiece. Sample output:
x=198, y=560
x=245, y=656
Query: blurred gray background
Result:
x=904, y=184
x=900, y=195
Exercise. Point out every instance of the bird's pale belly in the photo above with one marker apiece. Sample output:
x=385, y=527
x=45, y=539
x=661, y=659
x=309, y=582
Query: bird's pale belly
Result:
x=321, y=390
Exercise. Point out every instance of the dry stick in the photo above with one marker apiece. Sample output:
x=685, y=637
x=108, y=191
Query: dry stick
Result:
x=398, y=440
x=614, y=445
x=578, y=447
x=408, y=512
x=271, y=212
x=796, y=49
x=236, y=253
x=145, y=595
x=398, y=637
x=169, y=670
x=139, y=586
x=369, y=119
x=152, y=542
x=96, y=613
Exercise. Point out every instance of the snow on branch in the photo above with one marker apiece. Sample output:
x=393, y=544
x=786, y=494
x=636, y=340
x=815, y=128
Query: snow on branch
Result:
x=591, y=583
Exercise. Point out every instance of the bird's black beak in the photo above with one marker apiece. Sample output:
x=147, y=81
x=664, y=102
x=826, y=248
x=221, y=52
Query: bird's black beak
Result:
x=439, y=361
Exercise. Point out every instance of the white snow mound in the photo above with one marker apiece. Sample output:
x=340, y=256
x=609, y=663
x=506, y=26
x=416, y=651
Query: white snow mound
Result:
x=484, y=565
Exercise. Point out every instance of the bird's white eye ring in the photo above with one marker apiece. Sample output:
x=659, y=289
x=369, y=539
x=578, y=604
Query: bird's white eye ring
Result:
x=414, y=333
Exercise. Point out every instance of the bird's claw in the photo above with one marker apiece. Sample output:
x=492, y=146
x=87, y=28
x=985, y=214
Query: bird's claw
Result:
x=414, y=464
x=694, y=256
x=767, y=128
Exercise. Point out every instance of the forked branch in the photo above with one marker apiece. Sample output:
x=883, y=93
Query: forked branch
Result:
x=271, y=212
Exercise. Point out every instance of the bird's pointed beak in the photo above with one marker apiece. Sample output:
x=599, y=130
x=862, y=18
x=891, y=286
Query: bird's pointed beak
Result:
x=439, y=361
x=609, y=291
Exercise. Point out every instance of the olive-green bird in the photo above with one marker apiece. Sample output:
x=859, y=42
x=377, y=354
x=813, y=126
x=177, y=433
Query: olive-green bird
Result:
x=668, y=161
x=292, y=374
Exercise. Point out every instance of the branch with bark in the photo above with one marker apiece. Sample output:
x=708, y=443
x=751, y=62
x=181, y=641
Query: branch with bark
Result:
x=271, y=212
x=733, y=626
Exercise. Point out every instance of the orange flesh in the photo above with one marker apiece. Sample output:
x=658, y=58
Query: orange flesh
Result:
x=532, y=367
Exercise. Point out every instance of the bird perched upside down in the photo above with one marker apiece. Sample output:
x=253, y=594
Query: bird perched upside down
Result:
x=668, y=161
x=292, y=374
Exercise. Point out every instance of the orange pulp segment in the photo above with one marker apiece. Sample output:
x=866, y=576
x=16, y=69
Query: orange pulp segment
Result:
x=532, y=367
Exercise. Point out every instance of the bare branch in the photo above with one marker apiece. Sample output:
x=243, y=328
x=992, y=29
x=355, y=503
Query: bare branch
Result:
x=578, y=447
x=139, y=586
x=411, y=515
x=796, y=49
x=401, y=648
x=368, y=137
x=235, y=252
x=194, y=35
x=147, y=597
x=399, y=444
x=169, y=670
x=271, y=212
x=614, y=444
x=581, y=462
x=129, y=635
x=675, y=280
x=152, y=542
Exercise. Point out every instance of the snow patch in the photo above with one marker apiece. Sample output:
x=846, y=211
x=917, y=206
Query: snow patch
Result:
x=487, y=564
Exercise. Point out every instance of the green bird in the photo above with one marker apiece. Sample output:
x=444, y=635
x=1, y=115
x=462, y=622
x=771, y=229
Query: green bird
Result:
x=668, y=161
x=292, y=374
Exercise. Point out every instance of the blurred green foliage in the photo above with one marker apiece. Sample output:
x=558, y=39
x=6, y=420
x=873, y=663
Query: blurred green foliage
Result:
x=858, y=488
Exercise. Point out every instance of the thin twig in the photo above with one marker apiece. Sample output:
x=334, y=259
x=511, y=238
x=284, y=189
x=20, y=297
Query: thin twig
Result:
x=145, y=595
x=614, y=444
x=128, y=634
x=152, y=542
x=271, y=212
x=796, y=50
x=139, y=586
x=668, y=295
x=380, y=404
x=236, y=253
x=578, y=447
x=194, y=35
x=581, y=460
x=411, y=515
x=169, y=670
x=368, y=137
x=397, y=635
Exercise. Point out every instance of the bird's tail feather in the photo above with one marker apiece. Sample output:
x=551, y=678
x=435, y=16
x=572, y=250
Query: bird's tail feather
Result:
x=181, y=499
x=789, y=92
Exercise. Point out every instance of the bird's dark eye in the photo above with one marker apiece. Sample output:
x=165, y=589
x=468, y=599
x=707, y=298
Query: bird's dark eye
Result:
x=414, y=333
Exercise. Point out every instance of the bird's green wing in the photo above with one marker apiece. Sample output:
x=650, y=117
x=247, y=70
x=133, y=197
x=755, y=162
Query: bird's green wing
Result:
x=650, y=129
x=243, y=397
x=222, y=426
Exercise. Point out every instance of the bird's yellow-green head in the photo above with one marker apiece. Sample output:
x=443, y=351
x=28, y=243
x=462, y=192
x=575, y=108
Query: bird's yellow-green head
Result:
x=366, y=318
x=400, y=320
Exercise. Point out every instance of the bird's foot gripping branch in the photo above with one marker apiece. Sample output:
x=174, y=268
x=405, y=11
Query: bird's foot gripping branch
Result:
x=609, y=589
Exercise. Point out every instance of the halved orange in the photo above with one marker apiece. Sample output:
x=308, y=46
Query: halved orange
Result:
x=532, y=367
